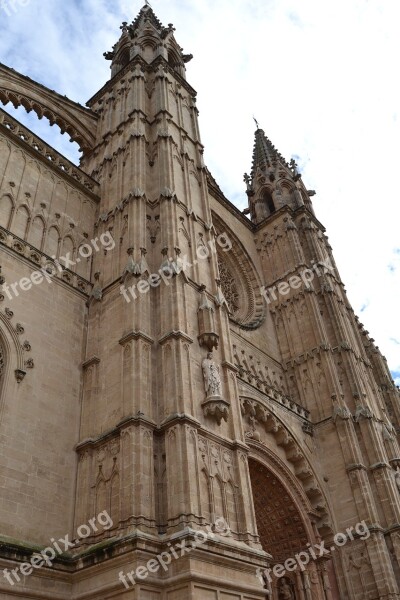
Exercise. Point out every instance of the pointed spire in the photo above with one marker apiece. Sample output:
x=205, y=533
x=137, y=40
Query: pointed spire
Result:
x=147, y=31
x=265, y=154
x=148, y=14
x=265, y=188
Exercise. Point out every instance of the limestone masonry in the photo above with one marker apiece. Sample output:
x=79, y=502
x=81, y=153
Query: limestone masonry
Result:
x=189, y=407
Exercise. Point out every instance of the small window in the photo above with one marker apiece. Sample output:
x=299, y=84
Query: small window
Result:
x=171, y=60
x=269, y=202
x=124, y=58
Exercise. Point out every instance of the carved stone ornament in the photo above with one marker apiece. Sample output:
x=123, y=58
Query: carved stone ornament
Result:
x=362, y=412
x=214, y=405
x=341, y=412
x=135, y=268
x=97, y=291
x=19, y=375
x=386, y=433
x=218, y=408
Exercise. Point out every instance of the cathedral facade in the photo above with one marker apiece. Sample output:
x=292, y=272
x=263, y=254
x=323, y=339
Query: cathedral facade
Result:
x=189, y=407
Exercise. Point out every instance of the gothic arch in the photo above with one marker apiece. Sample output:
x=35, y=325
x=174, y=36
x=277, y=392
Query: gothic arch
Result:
x=300, y=473
x=174, y=59
x=53, y=240
x=282, y=517
x=123, y=56
x=267, y=202
x=21, y=221
x=68, y=247
x=7, y=208
x=114, y=492
x=285, y=524
x=36, y=232
x=13, y=350
x=80, y=123
x=287, y=186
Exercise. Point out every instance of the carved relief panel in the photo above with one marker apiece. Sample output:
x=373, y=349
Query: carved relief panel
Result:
x=219, y=491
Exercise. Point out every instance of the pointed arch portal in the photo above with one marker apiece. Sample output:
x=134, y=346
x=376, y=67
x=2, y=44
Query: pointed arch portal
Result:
x=285, y=529
x=280, y=525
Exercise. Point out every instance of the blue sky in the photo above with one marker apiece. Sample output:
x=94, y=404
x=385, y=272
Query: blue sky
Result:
x=322, y=80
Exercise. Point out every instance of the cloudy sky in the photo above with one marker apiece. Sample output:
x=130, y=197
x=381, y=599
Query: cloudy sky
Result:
x=322, y=78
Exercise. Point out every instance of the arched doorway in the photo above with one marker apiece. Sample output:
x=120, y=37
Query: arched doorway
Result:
x=285, y=530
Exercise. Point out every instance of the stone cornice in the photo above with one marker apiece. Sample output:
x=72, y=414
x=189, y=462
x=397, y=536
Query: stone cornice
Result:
x=136, y=335
x=135, y=420
x=356, y=467
x=177, y=335
x=380, y=465
x=94, y=360
x=178, y=418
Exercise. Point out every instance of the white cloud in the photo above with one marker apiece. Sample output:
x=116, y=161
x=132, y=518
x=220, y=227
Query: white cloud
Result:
x=320, y=77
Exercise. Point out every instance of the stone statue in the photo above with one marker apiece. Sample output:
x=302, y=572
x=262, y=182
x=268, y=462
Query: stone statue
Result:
x=285, y=591
x=397, y=478
x=212, y=379
x=315, y=583
x=247, y=180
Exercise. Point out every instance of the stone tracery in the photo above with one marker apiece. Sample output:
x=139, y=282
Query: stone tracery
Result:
x=229, y=286
x=239, y=282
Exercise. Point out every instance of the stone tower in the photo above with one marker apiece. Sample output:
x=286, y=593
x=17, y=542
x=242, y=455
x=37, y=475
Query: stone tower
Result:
x=189, y=407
